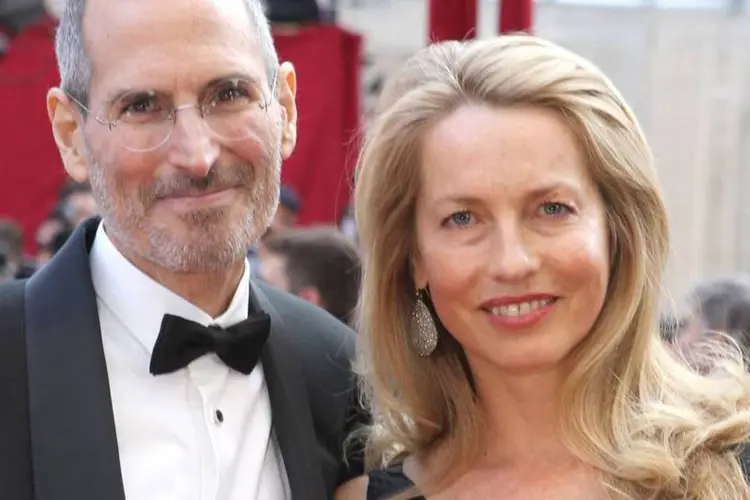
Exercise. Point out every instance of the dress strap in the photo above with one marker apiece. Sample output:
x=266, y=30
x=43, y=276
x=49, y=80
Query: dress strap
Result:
x=385, y=483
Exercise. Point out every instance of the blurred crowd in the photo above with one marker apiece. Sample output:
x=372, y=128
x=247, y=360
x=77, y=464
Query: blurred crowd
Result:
x=75, y=204
x=714, y=308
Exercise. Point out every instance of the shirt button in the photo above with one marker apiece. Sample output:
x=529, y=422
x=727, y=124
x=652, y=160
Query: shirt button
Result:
x=218, y=417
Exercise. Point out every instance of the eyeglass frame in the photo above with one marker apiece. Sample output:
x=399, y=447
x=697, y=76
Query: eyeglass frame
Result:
x=112, y=124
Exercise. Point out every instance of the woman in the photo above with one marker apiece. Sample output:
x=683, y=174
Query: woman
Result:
x=514, y=238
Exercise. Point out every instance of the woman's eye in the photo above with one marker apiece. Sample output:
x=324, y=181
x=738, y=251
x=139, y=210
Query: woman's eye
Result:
x=555, y=209
x=459, y=219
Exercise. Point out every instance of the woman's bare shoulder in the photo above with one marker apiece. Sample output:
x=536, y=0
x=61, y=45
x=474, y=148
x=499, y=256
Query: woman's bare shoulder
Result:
x=356, y=489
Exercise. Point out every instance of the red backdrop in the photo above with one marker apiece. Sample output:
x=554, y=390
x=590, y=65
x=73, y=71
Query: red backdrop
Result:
x=327, y=62
x=30, y=169
x=457, y=19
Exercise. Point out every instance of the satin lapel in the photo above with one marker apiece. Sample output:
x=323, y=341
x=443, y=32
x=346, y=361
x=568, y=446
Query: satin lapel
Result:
x=73, y=439
x=292, y=419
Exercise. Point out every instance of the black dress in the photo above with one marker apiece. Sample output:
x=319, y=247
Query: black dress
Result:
x=384, y=484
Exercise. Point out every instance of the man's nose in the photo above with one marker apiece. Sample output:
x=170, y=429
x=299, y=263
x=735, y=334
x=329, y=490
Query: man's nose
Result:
x=192, y=146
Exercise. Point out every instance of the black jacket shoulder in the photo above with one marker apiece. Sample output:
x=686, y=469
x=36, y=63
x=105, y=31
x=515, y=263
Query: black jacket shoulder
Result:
x=322, y=339
x=325, y=349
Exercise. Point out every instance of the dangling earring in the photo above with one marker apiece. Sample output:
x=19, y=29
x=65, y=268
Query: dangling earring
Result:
x=424, y=333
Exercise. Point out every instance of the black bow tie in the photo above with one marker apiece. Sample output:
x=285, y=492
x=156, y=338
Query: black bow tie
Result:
x=181, y=341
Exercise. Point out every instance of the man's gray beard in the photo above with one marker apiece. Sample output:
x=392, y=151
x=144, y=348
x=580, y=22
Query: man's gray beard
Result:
x=204, y=250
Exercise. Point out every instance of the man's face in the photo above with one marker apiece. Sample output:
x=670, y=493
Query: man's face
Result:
x=197, y=201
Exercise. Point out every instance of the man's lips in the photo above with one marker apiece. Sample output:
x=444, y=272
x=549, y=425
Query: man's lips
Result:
x=188, y=201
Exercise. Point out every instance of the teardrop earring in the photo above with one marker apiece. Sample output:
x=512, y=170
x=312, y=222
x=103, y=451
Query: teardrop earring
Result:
x=424, y=333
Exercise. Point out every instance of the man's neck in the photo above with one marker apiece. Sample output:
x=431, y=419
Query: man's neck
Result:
x=212, y=292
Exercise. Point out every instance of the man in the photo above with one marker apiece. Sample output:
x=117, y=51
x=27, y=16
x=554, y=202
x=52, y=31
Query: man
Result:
x=284, y=218
x=4, y=43
x=15, y=15
x=142, y=362
x=287, y=212
x=53, y=230
x=348, y=225
x=12, y=263
x=319, y=265
x=715, y=305
x=77, y=203
x=293, y=11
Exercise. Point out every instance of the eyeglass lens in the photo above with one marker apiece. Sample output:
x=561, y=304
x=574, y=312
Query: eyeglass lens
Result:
x=143, y=121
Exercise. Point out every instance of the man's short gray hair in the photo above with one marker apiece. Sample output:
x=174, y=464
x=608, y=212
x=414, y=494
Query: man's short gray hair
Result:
x=75, y=67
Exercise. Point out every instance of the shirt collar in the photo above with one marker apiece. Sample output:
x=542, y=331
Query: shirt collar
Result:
x=140, y=302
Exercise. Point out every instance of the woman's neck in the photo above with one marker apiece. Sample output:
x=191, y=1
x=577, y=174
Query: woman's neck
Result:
x=522, y=415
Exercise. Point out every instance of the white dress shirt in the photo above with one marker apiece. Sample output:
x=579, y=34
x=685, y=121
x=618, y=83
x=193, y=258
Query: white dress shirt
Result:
x=200, y=433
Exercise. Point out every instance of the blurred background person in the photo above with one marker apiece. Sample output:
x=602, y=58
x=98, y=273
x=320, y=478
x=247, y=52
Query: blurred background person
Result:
x=669, y=327
x=54, y=245
x=287, y=214
x=718, y=306
x=13, y=265
x=285, y=218
x=50, y=234
x=319, y=265
x=77, y=203
x=15, y=15
x=348, y=226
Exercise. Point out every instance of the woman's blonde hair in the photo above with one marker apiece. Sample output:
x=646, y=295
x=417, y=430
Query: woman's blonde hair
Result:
x=653, y=428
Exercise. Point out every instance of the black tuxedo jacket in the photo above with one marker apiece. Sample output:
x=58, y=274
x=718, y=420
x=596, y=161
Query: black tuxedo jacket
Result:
x=57, y=433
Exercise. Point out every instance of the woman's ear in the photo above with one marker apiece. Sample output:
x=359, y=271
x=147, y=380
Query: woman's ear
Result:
x=418, y=272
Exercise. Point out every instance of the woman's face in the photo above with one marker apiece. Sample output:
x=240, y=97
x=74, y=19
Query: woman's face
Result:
x=511, y=235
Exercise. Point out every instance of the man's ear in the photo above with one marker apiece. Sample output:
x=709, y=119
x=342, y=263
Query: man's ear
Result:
x=287, y=84
x=67, y=130
x=312, y=295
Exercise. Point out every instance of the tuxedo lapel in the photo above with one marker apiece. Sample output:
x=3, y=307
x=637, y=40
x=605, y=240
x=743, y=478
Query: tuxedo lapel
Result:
x=292, y=419
x=73, y=439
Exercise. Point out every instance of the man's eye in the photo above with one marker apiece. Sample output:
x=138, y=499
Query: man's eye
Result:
x=139, y=106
